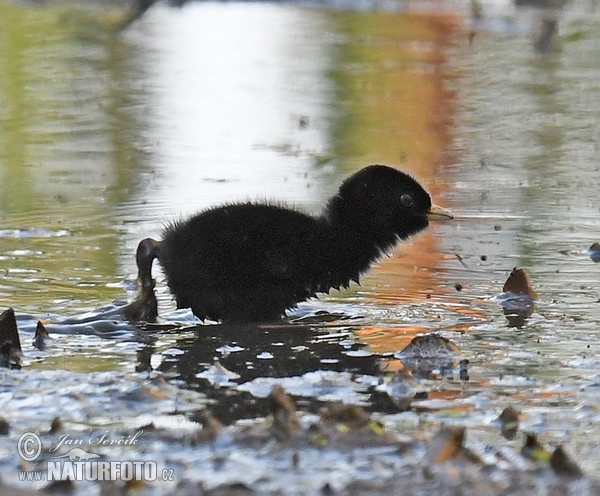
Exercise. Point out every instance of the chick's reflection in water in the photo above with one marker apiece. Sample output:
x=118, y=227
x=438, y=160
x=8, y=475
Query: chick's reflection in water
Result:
x=218, y=358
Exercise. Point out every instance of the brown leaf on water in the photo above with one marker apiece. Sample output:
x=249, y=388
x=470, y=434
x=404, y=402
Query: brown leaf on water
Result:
x=350, y=426
x=211, y=428
x=283, y=409
x=518, y=283
x=8, y=329
x=562, y=464
x=424, y=354
x=55, y=425
x=10, y=344
x=134, y=485
x=509, y=421
x=40, y=337
x=10, y=356
x=518, y=299
x=339, y=412
x=4, y=428
x=59, y=487
x=533, y=450
x=352, y=416
x=446, y=445
x=430, y=345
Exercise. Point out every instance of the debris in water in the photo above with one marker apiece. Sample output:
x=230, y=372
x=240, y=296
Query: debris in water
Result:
x=283, y=409
x=40, y=337
x=518, y=298
x=430, y=345
x=8, y=328
x=56, y=425
x=445, y=445
x=518, y=283
x=351, y=416
x=134, y=485
x=348, y=425
x=396, y=394
x=4, y=427
x=533, y=450
x=463, y=371
x=59, y=487
x=211, y=428
x=562, y=464
x=594, y=252
x=462, y=262
x=429, y=352
x=10, y=356
x=10, y=344
x=509, y=422
x=143, y=358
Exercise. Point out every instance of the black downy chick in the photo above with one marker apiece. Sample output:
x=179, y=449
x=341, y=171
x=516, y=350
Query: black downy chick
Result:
x=254, y=261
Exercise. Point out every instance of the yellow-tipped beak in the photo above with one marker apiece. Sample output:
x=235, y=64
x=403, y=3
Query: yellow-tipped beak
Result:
x=439, y=213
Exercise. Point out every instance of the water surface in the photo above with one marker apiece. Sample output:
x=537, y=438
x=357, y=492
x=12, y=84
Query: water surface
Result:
x=107, y=135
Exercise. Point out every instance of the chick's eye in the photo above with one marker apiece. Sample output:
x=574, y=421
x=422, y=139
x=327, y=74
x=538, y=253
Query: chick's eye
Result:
x=407, y=200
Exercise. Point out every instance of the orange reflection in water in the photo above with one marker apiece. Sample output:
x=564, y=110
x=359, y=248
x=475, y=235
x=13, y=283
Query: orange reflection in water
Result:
x=400, y=111
x=385, y=340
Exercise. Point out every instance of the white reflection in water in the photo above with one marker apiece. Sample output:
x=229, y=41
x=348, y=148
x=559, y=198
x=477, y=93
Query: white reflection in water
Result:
x=240, y=104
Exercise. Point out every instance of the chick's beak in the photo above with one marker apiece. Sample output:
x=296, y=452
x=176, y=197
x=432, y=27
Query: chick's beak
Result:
x=439, y=213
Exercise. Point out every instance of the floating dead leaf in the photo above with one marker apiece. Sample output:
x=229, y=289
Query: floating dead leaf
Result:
x=533, y=450
x=211, y=428
x=446, y=445
x=518, y=283
x=338, y=412
x=354, y=417
x=318, y=434
x=134, y=485
x=509, y=422
x=562, y=464
x=8, y=328
x=10, y=356
x=396, y=392
x=59, y=487
x=463, y=371
x=4, y=427
x=283, y=409
x=147, y=392
x=55, y=425
x=430, y=345
x=429, y=352
x=40, y=337
x=594, y=252
x=144, y=357
x=10, y=344
x=518, y=298
x=349, y=426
